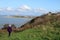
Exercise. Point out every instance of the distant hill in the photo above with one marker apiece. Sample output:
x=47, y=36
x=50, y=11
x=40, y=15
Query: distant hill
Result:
x=16, y=16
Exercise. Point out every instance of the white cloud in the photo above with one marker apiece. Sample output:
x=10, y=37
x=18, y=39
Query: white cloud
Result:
x=40, y=10
x=1, y=9
x=24, y=8
x=9, y=9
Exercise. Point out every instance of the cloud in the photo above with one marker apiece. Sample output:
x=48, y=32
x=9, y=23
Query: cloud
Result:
x=24, y=8
x=1, y=9
x=9, y=9
x=42, y=10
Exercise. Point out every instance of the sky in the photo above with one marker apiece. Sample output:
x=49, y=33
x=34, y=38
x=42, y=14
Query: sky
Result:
x=34, y=6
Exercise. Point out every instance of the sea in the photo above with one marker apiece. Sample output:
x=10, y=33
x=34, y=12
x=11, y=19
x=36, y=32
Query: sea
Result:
x=16, y=21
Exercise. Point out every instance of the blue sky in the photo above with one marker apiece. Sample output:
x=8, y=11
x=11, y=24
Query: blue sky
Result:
x=49, y=5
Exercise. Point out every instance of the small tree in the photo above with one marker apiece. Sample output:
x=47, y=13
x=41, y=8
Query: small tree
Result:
x=5, y=26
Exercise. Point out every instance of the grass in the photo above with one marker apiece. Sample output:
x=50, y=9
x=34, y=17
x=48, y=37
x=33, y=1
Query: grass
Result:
x=40, y=32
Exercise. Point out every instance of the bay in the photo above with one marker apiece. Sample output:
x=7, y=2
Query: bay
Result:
x=16, y=21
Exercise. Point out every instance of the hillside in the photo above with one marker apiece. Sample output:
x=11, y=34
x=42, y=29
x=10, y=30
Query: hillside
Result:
x=44, y=27
x=46, y=19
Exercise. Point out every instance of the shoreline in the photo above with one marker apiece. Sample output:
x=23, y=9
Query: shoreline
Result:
x=19, y=17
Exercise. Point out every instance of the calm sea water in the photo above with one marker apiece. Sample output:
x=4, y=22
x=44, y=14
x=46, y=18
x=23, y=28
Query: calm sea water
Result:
x=16, y=21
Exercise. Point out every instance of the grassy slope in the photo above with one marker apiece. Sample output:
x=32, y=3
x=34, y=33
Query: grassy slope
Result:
x=41, y=32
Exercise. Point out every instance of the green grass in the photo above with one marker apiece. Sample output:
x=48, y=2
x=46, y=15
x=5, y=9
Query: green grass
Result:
x=41, y=32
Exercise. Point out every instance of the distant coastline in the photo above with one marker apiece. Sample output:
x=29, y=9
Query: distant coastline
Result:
x=19, y=16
